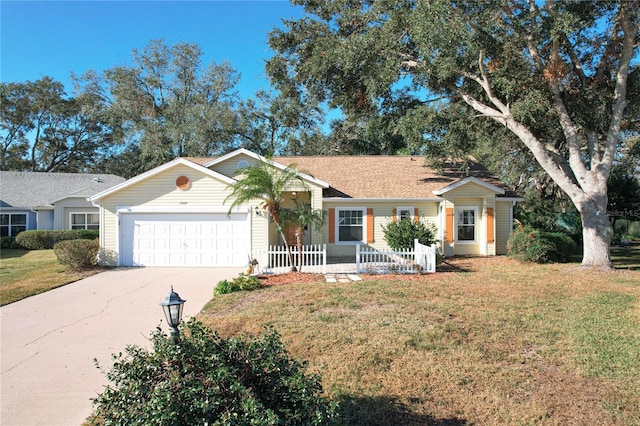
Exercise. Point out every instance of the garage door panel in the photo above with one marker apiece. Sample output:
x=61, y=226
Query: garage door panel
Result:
x=191, y=239
x=222, y=244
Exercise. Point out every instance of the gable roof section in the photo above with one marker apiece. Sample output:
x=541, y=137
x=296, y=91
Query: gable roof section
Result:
x=150, y=173
x=242, y=151
x=381, y=176
x=465, y=181
x=41, y=189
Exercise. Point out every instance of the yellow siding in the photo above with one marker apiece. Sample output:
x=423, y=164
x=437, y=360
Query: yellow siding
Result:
x=468, y=202
x=503, y=226
x=383, y=215
x=160, y=191
x=466, y=197
x=471, y=249
x=229, y=166
x=258, y=234
x=467, y=249
x=469, y=190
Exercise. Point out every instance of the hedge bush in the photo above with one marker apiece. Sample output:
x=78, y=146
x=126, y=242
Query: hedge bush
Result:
x=402, y=234
x=531, y=245
x=45, y=239
x=77, y=254
x=8, y=242
x=240, y=283
x=208, y=380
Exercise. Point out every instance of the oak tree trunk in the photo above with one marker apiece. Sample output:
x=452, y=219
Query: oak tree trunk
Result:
x=597, y=231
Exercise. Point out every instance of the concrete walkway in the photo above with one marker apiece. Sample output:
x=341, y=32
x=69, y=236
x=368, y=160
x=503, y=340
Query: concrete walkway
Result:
x=49, y=341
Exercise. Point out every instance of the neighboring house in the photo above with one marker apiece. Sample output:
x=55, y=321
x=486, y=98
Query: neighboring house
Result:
x=175, y=215
x=35, y=200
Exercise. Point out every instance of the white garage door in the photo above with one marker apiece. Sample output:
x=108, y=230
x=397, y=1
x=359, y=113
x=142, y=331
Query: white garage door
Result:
x=185, y=239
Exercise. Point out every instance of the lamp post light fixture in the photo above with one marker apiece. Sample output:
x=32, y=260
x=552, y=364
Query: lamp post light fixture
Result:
x=172, y=307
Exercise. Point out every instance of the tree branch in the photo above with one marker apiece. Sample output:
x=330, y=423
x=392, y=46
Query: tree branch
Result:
x=569, y=129
x=620, y=93
x=552, y=162
x=577, y=66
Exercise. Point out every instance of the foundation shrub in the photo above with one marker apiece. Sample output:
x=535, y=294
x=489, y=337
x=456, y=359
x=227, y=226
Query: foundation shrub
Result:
x=530, y=245
x=77, y=254
x=46, y=239
x=8, y=242
x=401, y=234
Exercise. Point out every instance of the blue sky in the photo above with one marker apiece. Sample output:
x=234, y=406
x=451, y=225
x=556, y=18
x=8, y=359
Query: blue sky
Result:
x=54, y=38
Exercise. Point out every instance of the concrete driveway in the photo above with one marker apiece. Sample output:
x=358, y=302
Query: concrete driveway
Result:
x=49, y=341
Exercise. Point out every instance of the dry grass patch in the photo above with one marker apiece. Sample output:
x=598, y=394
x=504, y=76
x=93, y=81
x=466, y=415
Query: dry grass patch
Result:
x=492, y=341
x=24, y=273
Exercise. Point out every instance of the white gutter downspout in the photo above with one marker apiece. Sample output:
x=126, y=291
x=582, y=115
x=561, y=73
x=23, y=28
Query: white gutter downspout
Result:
x=266, y=250
x=101, y=238
x=443, y=226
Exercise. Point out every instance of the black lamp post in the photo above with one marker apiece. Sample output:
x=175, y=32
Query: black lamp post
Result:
x=172, y=307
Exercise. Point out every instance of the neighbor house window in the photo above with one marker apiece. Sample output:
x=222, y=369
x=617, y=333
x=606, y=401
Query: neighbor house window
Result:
x=85, y=221
x=12, y=224
x=351, y=225
x=466, y=226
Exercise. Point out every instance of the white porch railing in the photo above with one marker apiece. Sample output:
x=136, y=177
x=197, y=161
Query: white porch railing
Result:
x=276, y=260
x=421, y=259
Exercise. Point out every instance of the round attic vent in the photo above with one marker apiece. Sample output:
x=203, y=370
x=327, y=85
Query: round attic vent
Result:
x=182, y=183
x=242, y=164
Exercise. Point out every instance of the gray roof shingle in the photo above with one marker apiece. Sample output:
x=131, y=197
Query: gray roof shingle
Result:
x=34, y=189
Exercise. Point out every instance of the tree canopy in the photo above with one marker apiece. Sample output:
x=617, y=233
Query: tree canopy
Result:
x=166, y=104
x=556, y=79
x=42, y=129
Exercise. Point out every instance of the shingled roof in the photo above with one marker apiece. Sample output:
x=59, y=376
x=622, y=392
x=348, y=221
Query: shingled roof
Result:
x=379, y=176
x=382, y=176
x=38, y=189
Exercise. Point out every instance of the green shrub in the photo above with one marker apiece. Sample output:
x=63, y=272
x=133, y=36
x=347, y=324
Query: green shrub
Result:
x=205, y=379
x=240, y=283
x=77, y=254
x=540, y=247
x=401, y=234
x=564, y=246
x=46, y=239
x=88, y=234
x=247, y=282
x=8, y=242
x=225, y=287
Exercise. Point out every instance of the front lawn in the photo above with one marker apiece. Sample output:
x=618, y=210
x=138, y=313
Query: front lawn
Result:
x=491, y=342
x=24, y=273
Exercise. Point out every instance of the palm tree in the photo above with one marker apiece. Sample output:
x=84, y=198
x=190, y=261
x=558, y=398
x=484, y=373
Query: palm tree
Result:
x=265, y=182
x=303, y=216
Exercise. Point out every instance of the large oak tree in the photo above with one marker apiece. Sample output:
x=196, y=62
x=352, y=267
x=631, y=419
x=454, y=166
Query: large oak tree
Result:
x=555, y=74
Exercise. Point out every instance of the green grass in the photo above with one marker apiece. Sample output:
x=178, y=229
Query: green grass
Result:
x=606, y=336
x=503, y=343
x=24, y=273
